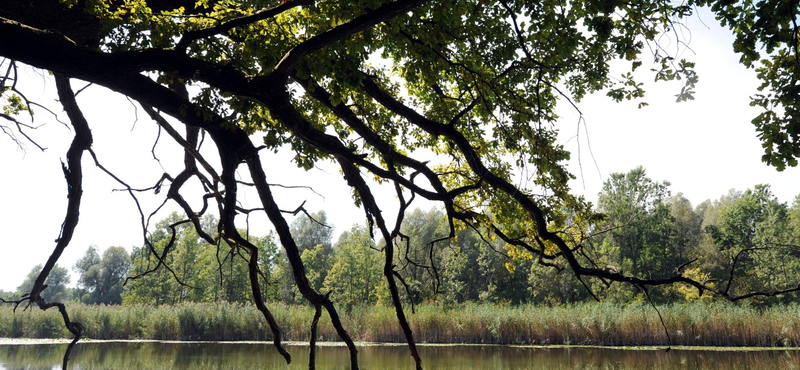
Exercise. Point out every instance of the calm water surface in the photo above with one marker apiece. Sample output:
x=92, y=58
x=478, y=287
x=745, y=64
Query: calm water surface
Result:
x=262, y=356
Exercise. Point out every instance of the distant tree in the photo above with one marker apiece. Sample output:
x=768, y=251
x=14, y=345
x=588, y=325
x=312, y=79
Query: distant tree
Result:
x=550, y=286
x=269, y=261
x=101, y=279
x=318, y=261
x=161, y=286
x=313, y=236
x=506, y=276
x=311, y=231
x=420, y=252
x=686, y=245
x=89, y=259
x=187, y=265
x=688, y=227
x=754, y=234
x=232, y=274
x=755, y=219
x=156, y=288
x=633, y=203
x=794, y=221
x=283, y=280
x=462, y=279
x=356, y=273
x=195, y=270
x=57, y=284
x=711, y=257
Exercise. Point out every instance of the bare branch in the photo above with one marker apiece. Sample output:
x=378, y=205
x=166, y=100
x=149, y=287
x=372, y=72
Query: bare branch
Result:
x=20, y=129
x=161, y=258
x=188, y=147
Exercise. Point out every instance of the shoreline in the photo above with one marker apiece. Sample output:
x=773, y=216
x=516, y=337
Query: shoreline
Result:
x=605, y=325
x=36, y=341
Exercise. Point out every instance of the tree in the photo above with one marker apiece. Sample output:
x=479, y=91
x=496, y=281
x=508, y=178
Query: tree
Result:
x=712, y=259
x=633, y=203
x=687, y=224
x=472, y=83
x=156, y=288
x=462, y=279
x=269, y=261
x=794, y=220
x=754, y=235
x=194, y=270
x=176, y=281
x=507, y=282
x=101, y=280
x=89, y=259
x=312, y=231
x=355, y=275
x=313, y=237
x=57, y=283
x=419, y=252
x=686, y=243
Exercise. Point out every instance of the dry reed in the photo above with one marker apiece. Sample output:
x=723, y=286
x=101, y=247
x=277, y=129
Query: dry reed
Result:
x=605, y=324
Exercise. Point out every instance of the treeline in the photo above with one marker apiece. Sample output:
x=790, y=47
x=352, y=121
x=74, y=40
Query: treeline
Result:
x=745, y=241
x=646, y=231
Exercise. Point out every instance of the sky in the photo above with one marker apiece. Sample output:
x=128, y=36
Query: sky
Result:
x=703, y=147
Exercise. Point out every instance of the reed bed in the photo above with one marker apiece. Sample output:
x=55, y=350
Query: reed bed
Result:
x=604, y=324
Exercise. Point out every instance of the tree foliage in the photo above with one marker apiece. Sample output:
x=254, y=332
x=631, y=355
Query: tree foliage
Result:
x=355, y=276
x=194, y=270
x=634, y=204
x=444, y=100
x=57, y=283
x=754, y=235
x=101, y=279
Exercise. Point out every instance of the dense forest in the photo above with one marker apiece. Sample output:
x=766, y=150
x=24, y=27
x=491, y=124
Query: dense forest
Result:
x=646, y=230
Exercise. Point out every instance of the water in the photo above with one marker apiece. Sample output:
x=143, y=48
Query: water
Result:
x=154, y=355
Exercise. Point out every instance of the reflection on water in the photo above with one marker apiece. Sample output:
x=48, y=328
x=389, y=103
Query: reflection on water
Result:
x=262, y=356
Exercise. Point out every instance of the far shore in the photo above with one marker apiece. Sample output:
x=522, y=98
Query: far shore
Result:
x=33, y=341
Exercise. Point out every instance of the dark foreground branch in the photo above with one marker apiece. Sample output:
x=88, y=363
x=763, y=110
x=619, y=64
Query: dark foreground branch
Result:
x=355, y=180
x=74, y=176
x=312, y=342
x=274, y=213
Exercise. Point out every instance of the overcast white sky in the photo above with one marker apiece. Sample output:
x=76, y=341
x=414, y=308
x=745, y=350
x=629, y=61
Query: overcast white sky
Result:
x=704, y=148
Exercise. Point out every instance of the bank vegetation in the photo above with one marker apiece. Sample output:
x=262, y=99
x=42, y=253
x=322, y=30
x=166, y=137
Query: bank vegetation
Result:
x=604, y=324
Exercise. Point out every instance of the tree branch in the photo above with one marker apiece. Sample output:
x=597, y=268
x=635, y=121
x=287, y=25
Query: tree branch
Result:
x=261, y=15
x=347, y=29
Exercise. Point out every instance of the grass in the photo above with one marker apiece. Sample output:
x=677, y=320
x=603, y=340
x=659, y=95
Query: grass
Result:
x=606, y=324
